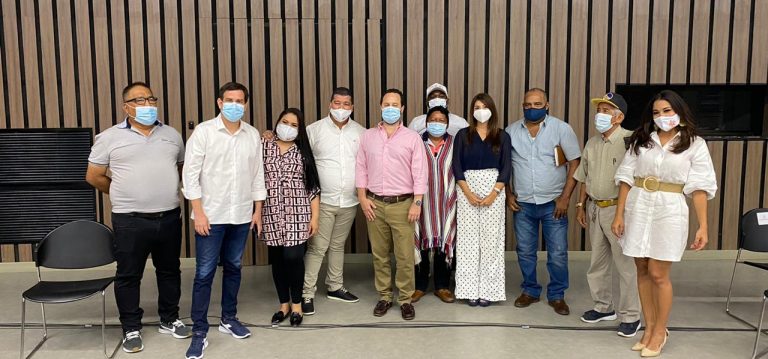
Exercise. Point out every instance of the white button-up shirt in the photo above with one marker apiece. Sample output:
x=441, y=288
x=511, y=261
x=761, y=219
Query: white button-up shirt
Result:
x=225, y=170
x=335, y=150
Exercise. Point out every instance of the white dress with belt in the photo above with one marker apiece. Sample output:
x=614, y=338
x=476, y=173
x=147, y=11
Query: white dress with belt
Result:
x=656, y=223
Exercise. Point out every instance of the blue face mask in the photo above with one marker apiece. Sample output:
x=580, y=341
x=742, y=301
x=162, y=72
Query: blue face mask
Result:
x=390, y=114
x=233, y=112
x=603, y=122
x=437, y=129
x=534, y=114
x=146, y=115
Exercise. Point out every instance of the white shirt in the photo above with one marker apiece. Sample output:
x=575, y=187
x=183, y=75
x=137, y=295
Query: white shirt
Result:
x=455, y=123
x=656, y=223
x=335, y=151
x=225, y=170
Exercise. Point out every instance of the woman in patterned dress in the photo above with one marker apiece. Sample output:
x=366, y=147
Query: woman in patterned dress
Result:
x=291, y=210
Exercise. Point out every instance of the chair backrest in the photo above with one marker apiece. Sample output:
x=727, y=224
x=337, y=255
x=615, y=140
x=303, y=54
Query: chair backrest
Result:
x=754, y=235
x=76, y=245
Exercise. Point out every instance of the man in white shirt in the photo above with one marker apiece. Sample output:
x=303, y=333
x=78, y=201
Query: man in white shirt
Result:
x=334, y=141
x=437, y=95
x=223, y=177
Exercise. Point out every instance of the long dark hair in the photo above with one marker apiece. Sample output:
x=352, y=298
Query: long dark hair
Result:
x=688, y=132
x=494, y=132
x=311, y=178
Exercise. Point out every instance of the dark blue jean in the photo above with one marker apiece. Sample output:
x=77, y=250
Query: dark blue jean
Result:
x=555, y=232
x=225, y=242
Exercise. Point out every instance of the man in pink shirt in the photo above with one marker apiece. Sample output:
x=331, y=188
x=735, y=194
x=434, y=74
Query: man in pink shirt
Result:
x=391, y=178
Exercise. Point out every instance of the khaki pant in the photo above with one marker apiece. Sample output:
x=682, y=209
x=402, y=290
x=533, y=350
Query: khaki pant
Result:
x=392, y=231
x=606, y=253
x=335, y=224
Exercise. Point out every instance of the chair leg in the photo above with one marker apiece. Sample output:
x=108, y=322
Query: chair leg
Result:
x=45, y=323
x=730, y=286
x=23, y=327
x=759, y=328
x=23, y=322
x=103, y=328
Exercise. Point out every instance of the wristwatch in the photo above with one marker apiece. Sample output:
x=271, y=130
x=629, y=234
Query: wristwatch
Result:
x=498, y=190
x=417, y=202
x=579, y=205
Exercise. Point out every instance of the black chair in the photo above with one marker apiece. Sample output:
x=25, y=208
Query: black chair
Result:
x=753, y=237
x=75, y=245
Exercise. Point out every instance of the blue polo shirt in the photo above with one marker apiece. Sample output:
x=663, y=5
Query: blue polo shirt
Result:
x=536, y=178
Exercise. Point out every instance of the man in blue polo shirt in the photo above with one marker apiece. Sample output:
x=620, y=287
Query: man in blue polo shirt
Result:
x=545, y=155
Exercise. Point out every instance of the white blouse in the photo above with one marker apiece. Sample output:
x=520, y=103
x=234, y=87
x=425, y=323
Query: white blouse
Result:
x=656, y=223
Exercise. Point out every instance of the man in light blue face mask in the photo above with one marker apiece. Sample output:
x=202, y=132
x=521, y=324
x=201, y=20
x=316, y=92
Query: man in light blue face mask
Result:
x=145, y=157
x=437, y=95
x=224, y=182
x=595, y=211
x=391, y=179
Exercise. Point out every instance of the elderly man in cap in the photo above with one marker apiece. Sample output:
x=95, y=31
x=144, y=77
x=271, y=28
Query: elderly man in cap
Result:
x=437, y=95
x=596, y=208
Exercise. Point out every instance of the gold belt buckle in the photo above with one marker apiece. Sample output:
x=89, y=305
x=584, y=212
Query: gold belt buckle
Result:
x=651, y=184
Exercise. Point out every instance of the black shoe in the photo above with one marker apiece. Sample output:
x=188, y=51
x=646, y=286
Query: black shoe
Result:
x=308, y=306
x=296, y=319
x=342, y=294
x=279, y=317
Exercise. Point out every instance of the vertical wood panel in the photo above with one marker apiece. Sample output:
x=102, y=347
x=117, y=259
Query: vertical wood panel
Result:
x=496, y=51
x=119, y=65
x=30, y=58
x=640, y=18
x=713, y=206
x=360, y=67
x=538, y=51
x=754, y=165
x=50, y=97
x=456, y=72
x=394, y=38
x=12, y=61
x=293, y=63
x=719, y=43
x=476, y=52
x=415, y=49
x=700, y=40
x=619, y=42
x=136, y=38
x=436, y=49
x=660, y=36
x=732, y=193
x=740, y=42
x=760, y=44
x=679, y=64
x=207, y=90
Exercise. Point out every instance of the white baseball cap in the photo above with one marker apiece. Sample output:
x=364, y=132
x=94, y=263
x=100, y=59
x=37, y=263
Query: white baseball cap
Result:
x=437, y=86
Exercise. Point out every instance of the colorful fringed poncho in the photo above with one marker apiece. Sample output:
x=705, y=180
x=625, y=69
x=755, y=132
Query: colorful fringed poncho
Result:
x=436, y=227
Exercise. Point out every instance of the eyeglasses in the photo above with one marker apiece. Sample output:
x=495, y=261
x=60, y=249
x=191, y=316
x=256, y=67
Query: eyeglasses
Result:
x=143, y=100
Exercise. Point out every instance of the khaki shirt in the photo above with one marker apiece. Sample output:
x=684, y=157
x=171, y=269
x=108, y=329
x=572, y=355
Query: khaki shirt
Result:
x=599, y=161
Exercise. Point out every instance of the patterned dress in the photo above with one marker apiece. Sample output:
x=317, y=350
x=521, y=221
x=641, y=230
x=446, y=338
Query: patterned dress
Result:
x=287, y=211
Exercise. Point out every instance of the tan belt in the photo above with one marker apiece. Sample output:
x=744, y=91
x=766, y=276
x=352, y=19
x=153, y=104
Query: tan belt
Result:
x=605, y=203
x=652, y=184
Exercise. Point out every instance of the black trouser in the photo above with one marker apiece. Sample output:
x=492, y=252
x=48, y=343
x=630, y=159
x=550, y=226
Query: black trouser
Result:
x=288, y=271
x=135, y=239
x=441, y=273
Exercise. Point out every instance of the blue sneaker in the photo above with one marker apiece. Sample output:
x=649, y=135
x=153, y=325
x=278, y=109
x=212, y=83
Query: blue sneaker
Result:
x=628, y=330
x=197, y=346
x=234, y=327
x=593, y=316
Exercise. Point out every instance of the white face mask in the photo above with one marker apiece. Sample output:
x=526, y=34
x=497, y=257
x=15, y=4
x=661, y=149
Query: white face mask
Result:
x=340, y=114
x=667, y=123
x=286, y=133
x=482, y=115
x=438, y=102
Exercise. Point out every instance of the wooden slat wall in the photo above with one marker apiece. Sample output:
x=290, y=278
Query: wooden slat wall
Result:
x=63, y=63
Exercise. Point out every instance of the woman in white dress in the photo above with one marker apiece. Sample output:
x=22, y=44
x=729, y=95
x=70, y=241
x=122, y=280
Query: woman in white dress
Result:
x=666, y=161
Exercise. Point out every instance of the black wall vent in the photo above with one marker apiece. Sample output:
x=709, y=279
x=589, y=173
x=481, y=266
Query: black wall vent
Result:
x=42, y=181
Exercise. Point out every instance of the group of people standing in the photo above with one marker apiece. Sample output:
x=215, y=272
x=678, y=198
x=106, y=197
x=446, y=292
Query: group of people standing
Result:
x=441, y=185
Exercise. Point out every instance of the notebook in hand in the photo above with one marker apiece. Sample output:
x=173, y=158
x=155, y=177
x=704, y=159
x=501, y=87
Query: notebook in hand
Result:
x=559, y=156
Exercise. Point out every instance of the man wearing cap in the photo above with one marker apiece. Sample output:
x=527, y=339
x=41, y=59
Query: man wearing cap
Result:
x=437, y=95
x=595, y=210
x=545, y=155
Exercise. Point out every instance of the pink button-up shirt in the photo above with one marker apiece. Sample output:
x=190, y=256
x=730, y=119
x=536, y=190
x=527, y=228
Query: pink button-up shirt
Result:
x=391, y=166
